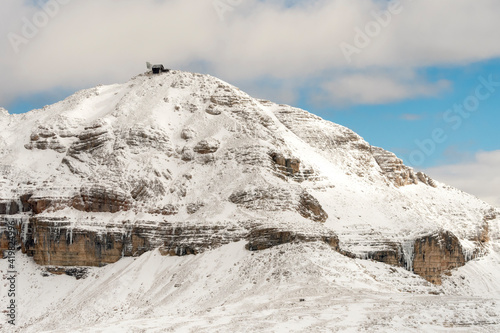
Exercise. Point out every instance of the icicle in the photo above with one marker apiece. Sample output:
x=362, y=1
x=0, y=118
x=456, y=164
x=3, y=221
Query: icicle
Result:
x=468, y=254
x=468, y=249
x=408, y=248
x=69, y=234
x=19, y=205
x=24, y=226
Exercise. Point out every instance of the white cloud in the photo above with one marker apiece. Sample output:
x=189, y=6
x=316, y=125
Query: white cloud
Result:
x=103, y=41
x=377, y=88
x=479, y=176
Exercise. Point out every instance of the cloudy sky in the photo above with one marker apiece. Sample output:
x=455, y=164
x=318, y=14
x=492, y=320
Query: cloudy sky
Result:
x=420, y=78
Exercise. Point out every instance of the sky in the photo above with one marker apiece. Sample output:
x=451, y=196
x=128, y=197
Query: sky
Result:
x=417, y=77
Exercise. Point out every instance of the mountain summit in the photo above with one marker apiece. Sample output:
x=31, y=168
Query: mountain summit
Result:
x=177, y=164
x=186, y=162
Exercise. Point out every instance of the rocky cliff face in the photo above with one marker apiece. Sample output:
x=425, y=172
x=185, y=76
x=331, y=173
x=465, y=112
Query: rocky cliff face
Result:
x=429, y=256
x=396, y=171
x=185, y=163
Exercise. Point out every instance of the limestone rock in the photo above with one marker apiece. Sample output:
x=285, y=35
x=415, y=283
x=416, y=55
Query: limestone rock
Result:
x=165, y=210
x=188, y=133
x=309, y=207
x=98, y=198
x=436, y=254
x=44, y=139
x=398, y=173
x=276, y=199
x=288, y=166
x=207, y=146
x=187, y=154
x=194, y=207
x=260, y=239
x=57, y=242
x=213, y=110
x=92, y=138
x=141, y=138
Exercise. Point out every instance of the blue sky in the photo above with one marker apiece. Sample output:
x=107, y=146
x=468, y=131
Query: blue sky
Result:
x=396, y=126
x=389, y=70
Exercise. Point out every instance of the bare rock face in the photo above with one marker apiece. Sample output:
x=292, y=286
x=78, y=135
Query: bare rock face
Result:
x=13, y=232
x=336, y=142
x=188, y=133
x=391, y=257
x=194, y=207
x=310, y=208
x=276, y=199
x=9, y=207
x=146, y=189
x=260, y=239
x=76, y=272
x=428, y=256
x=56, y=242
x=271, y=199
x=90, y=198
x=18, y=206
x=43, y=203
x=96, y=198
x=213, y=110
x=207, y=146
x=165, y=210
x=44, y=138
x=224, y=96
x=483, y=234
x=426, y=179
x=92, y=138
x=141, y=138
x=286, y=166
x=398, y=173
x=436, y=254
x=187, y=154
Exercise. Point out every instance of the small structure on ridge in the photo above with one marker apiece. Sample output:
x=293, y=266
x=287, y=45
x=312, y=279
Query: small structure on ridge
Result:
x=157, y=69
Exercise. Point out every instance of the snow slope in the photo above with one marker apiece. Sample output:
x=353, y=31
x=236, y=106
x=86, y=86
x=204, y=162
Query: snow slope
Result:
x=233, y=290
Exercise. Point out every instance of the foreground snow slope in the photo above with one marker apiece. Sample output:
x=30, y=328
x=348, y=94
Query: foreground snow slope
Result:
x=233, y=290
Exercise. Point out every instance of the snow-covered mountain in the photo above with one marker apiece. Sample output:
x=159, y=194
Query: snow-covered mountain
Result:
x=182, y=163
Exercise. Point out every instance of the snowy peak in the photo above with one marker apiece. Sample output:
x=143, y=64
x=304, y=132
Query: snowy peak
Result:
x=185, y=162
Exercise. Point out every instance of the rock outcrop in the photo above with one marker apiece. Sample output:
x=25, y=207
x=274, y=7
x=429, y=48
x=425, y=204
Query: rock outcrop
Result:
x=398, y=173
x=260, y=239
x=89, y=198
x=44, y=138
x=428, y=256
x=65, y=242
x=92, y=138
x=436, y=254
x=207, y=146
x=280, y=199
